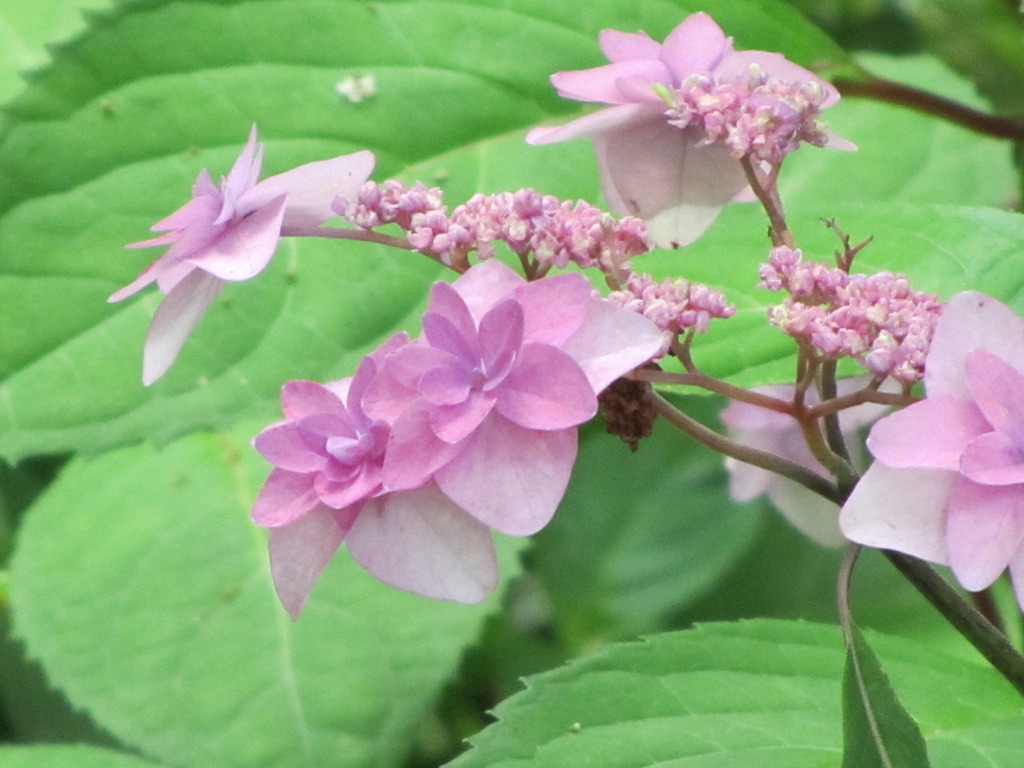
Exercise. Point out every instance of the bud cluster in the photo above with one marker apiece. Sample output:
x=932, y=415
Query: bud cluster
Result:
x=877, y=319
x=761, y=116
x=554, y=232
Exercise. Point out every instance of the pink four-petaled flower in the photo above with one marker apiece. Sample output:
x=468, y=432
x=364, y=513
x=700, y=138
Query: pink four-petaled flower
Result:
x=947, y=484
x=435, y=442
x=228, y=232
x=676, y=180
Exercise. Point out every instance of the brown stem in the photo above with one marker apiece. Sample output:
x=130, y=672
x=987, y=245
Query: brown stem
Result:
x=897, y=93
x=808, y=479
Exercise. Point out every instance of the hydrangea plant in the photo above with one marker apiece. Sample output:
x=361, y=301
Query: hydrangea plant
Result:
x=465, y=402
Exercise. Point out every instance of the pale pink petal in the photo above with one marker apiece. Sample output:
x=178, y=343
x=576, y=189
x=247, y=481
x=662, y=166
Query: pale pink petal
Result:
x=1017, y=574
x=246, y=246
x=985, y=530
x=969, y=321
x=485, y=285
x=739, y=63
x=815, y=517
x=612, y=120
x=696, y=45
x=147, y=276
x=421, y=542
x=311, y=188
x=611, y=342
x=546, y=390
x=669, y=178
x=283, y=499
x=601, y=84
x=510, y=478
x=364, y=483
x=554, y=308
x=299, y=552
x=446, y=384
x=747, y=482
x=623, y=46
x=243, y=174
x=992, y=459
x=304, y=398
x=283, y=446
x=174, y=320
x=930, y=434
x=459, y=343
x=900, y=509
x=998, y=389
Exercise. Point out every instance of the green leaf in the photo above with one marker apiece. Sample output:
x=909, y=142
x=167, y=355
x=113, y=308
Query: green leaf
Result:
x=25, y=27
x=143, y=589
x=762, y=693
x=877, y=731
x=55, y=756
x=640, y=535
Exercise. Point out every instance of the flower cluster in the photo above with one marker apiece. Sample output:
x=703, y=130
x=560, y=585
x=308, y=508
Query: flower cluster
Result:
x=435, y=442
x=229, y=232
x=876, y=319
x=674, y=305
x=948, y=478
x=551, y=231
x=661, y=161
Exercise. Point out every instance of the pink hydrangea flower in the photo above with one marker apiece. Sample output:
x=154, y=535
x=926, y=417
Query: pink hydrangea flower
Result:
x=488, y=402
x=228, y=232
x=433, y=443
x=326, y=488
x=674, y=178
x=947, y=484
x=779, y=434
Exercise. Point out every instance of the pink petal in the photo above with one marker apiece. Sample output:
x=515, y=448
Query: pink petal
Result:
x=421, y=542
x=448, y=301
x=992, y=460
x=454, y=423
x=546, y=390
x=299, y=552
x=304, y=398
x=500, y=337
x=1017, y=574
x=623, y=46
x=611, y=342
x=601, y=84
x=414, y=453
x=246, y=170
x=174, y=320
x=985, y=530
x=447, y=336
x=283, y=446
x=510, y=478
x=554, y=308
x=998, y=390
x=900, y=509
x=669, y=178
x=930, y=434
x=147, y=276
x=311, y=188
x=284, y=498
x=446, y=384
x=776, y=65
x=246, y=246
x=364, y=484
x=969, y=321
x=696, y=45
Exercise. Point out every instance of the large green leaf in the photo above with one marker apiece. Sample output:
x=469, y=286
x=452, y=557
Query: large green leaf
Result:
x=762, y=693
x=144, y=590
x=66, y=756
x=641, y=535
